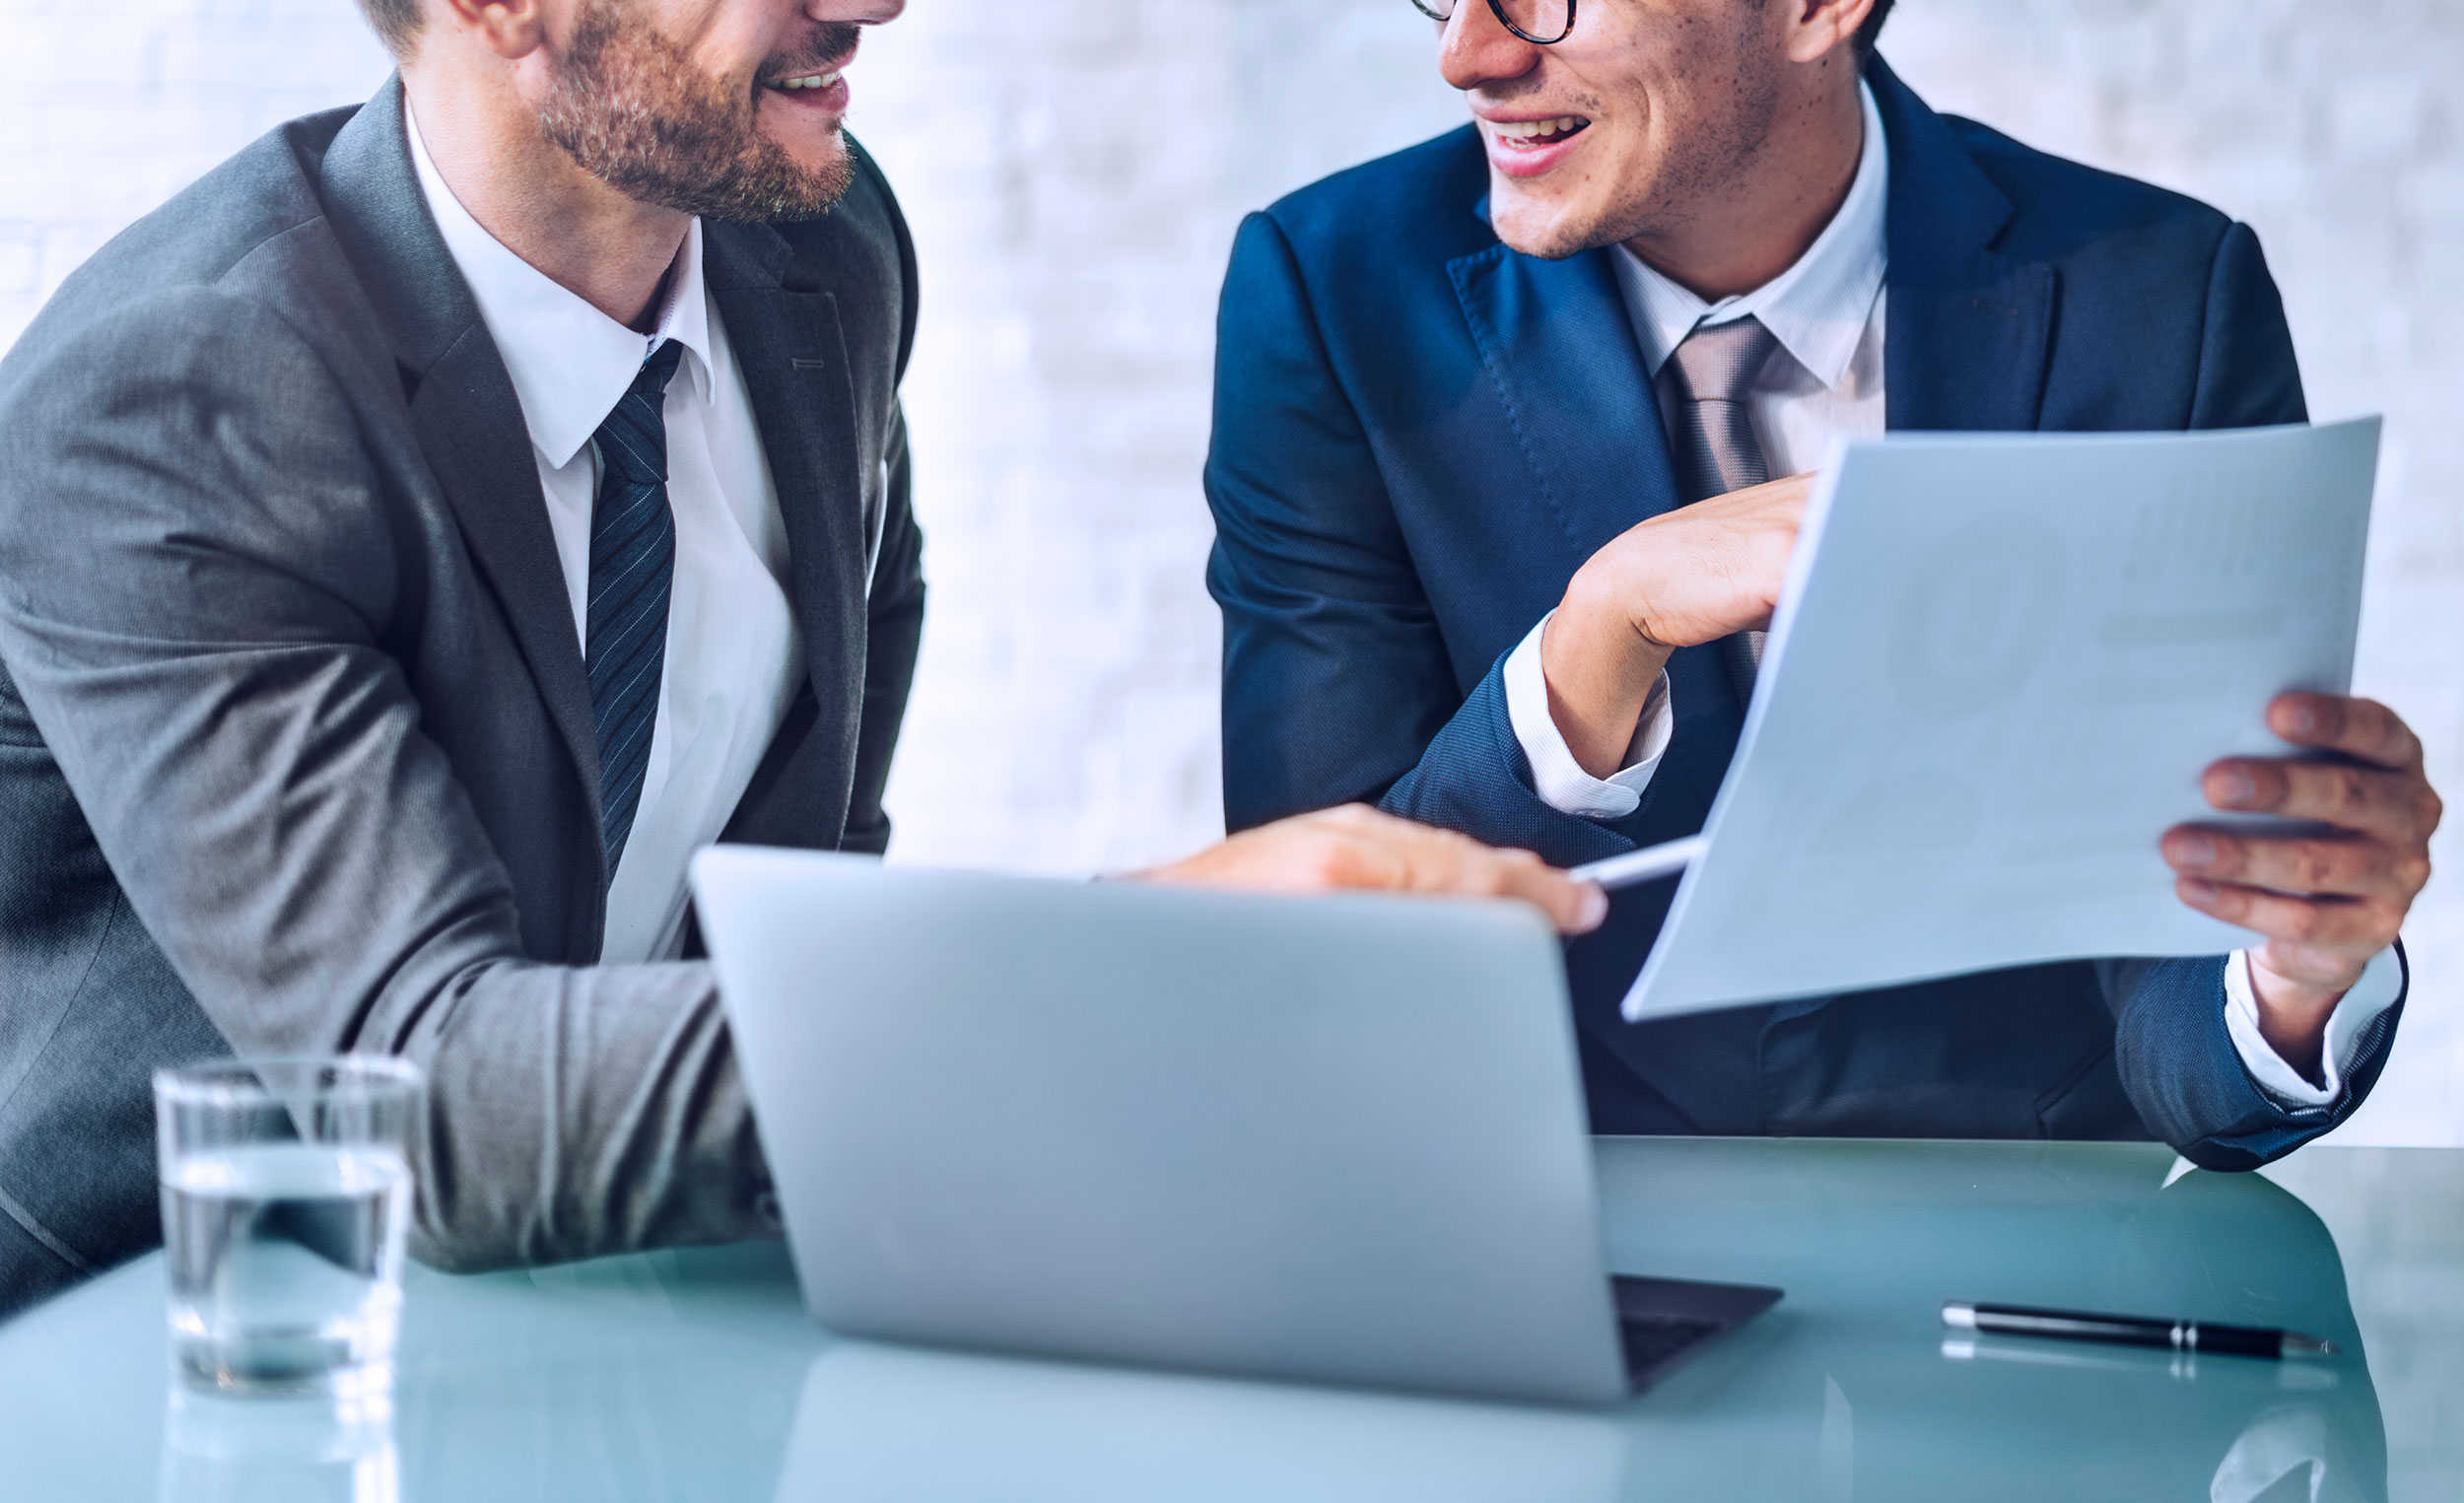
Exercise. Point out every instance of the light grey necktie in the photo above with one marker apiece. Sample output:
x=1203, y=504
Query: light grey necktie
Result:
x=1715, y=451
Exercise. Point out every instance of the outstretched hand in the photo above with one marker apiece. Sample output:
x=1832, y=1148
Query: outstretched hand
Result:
x=1356, y=847
x=2327, y=903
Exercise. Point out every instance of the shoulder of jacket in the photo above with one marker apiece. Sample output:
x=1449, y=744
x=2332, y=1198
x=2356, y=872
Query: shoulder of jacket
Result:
x=196, y=254
x=2090, y=200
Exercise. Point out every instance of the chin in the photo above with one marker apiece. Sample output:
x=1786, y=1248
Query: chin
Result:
x=812, y=143
x=829, y=153
x=825, y=157
x=1552, y=232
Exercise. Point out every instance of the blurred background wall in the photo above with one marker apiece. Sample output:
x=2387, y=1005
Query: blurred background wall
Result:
x=1074, y=170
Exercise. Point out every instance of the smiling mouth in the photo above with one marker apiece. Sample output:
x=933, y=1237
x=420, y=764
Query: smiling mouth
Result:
x=802, y=81
x=1531, y=135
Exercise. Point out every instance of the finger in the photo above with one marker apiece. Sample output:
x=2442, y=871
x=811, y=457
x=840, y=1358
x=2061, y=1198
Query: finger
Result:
x=1361, y=819
x=2363, y=728
x=1575, y=908
x=2362, y=928
x=1447, y=861
x=2395, y=806
x=1789, y=491
x=1379, y=850
x=1359, y=846
x=2338, y=866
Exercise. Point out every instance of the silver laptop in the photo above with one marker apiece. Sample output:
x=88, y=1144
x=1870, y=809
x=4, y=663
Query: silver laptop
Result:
x=1331, y=1139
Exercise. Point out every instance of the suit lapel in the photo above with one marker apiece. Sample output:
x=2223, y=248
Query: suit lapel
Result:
x=467, y=415
x=469, y=423
x=780, y=311
x=1969, y=329
x=1559, y=348
x=781, y=317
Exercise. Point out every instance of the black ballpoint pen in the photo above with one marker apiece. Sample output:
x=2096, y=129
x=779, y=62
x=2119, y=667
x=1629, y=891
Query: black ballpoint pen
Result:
x=2133, y=1330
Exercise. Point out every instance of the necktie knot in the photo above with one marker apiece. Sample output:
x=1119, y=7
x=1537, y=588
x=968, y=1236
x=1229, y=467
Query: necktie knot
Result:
x=633, y=441
x=659, y=367
x=1719, y=363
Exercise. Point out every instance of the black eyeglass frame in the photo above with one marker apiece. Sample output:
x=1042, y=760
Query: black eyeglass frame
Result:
x=1497, y=8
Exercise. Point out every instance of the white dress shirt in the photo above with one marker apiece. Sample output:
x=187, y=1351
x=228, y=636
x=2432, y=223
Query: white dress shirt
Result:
x=733, y=655
x=1825, y=379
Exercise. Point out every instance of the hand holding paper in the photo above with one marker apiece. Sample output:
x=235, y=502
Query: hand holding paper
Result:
x=2327, y=902
x=1996, y=677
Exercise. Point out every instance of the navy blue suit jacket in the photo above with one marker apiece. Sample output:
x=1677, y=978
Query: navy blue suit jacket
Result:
x=1419, y=435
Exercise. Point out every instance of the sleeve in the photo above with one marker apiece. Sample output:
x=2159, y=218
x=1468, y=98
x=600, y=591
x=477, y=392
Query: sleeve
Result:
x=2176, y=1056
x=2381, y=982
x=200, y=576
x=1337, y=682
x=2249, y=374
x=1558, y=779
x=894, y=636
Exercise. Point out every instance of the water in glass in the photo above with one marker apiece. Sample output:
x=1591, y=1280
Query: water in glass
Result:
x=285, y=1261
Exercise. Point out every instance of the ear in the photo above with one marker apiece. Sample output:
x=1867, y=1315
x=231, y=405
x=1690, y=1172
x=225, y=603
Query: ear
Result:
x=510, y=29
x=1815, y=27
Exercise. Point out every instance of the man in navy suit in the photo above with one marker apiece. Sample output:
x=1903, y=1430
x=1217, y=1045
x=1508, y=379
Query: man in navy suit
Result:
x=1505, y=432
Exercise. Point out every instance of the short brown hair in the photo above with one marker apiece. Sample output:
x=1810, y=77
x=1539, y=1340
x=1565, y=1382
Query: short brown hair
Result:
x=396, y=24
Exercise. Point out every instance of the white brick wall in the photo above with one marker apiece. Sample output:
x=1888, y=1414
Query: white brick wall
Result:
x=1074, y=170
x=108, y=107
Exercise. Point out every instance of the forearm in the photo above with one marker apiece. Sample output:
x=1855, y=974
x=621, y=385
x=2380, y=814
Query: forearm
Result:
x=1472, y=776
x=576, y=1112
x=1682, y=578
x=1601, y=671
x=1561, y=782
x=201, y=594
x=2321, y=1072
x=2291, y=1016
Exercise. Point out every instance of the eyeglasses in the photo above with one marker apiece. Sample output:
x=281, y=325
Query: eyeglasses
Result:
x=1537, y=22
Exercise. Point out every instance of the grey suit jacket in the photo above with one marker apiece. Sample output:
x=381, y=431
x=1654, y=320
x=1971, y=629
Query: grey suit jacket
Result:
x=296, y=746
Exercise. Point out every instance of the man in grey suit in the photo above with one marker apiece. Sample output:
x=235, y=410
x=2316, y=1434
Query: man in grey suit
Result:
x=415, y=539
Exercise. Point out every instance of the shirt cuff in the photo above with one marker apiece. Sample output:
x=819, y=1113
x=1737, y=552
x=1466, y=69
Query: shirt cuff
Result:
x=1557, y=776
x=2381, y=982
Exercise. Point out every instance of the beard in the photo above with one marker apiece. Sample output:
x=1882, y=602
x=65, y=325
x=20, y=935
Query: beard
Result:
x=634, y=111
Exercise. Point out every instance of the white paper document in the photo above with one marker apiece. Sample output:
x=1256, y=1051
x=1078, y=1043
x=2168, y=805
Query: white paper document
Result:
x=1998, y=669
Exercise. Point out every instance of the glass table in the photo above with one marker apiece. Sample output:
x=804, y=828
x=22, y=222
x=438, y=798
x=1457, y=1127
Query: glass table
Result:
x=695, y=1374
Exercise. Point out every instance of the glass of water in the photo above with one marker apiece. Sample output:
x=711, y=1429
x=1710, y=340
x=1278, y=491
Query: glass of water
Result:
x=286, y=1196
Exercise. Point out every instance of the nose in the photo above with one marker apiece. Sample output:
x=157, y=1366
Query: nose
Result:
x=1478, y=49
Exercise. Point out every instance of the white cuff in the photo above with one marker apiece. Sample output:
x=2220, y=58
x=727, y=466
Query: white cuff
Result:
x=1557, y=776
x=2381, y=982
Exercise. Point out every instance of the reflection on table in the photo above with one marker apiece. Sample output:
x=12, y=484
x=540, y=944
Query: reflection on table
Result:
x=695, y=1374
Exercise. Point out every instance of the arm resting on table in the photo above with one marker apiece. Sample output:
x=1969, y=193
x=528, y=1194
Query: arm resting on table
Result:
x=198, y=567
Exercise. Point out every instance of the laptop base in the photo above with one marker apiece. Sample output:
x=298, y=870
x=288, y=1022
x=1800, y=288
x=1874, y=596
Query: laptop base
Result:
x=1662, y=1322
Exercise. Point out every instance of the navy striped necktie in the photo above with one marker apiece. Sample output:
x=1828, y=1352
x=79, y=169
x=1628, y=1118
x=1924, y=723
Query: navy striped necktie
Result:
x=633, y=565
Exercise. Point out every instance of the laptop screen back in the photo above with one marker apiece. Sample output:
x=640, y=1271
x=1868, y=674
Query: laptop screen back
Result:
x=1336, y=1139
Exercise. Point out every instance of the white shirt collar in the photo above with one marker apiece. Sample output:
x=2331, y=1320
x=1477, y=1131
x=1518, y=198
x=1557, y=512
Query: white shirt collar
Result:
x=569, y=362
x=1817, y=309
